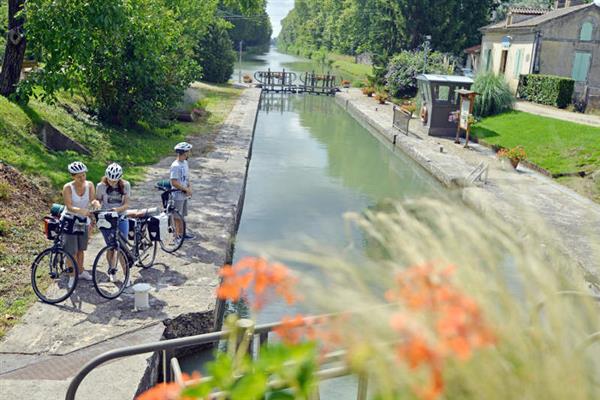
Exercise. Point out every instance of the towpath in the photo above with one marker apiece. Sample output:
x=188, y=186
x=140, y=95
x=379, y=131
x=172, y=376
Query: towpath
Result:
x=516, y=195
x=40, y=355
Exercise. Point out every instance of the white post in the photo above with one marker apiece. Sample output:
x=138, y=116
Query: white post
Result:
x=240, y=74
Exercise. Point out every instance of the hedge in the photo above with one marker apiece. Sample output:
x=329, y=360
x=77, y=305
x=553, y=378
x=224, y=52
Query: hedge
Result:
x=547, y=89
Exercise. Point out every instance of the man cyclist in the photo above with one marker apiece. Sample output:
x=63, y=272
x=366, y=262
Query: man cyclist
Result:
x=180, y=180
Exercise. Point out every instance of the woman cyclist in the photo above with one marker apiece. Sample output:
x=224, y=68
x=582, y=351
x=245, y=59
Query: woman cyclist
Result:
x=113, y=194
x=79, y=197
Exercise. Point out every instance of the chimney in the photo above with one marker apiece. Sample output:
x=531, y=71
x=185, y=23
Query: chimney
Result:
x=567, y=3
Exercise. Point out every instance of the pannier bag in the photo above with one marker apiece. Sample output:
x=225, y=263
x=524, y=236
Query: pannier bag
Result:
x=74, y=224
x=131, y=233
x=56, y=210
x=158, y=227
x=164, y=184
x=108, y=220
x=51, y=227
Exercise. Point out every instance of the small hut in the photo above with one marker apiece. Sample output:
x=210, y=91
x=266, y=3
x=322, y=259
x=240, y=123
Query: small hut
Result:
x=439, y=99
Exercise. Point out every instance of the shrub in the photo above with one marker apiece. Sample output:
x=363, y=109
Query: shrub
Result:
x=5, y=190
x=403, y=69
x=4, y=227
x=215, y=54
x=368, y=90
x=494, y=95
x=547, y=89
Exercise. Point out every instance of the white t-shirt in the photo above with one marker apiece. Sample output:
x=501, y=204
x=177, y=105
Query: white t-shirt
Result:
x=181, y=172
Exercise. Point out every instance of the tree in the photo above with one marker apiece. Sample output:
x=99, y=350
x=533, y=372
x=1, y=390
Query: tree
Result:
x=253, y=30
x=15, y=49
x=215, y=53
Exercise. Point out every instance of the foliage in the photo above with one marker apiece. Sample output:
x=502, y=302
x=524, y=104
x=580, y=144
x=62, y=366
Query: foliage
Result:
x=555, y=145
x=382, y=27
x=381, y=95
x=547, y=89
x=515, y=155
x=494, y=96
x=368, y=90
x=3, y=27
x=503, y=6
x=255, y=30
x=215, y=54
x=404, y=67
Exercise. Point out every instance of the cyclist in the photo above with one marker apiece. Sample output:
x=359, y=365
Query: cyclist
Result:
x=79, y=196
x=113, y=193
x=180, y=179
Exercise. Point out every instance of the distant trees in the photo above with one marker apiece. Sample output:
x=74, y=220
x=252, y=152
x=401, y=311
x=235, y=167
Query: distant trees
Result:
x=215, y=54
x=253, y=30
x=384, y=27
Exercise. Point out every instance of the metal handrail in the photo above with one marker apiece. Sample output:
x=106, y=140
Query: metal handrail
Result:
x=262, y=331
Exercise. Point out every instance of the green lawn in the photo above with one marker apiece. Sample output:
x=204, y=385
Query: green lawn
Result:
x=133, y=148
x=558, y=146
x=342, y=66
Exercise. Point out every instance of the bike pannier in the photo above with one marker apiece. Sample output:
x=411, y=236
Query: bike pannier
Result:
x=108, y=220
x=74, y=224
x=51, y=227
x=158, y=227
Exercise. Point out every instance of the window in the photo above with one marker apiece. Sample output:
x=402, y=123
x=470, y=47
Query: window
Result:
x=503, y=60
x=488, y=60
x=443, y=93
x=581, y=66
x=518, y=62
x=586, y=32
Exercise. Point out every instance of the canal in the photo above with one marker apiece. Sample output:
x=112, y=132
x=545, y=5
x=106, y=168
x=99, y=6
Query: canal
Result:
x=311, y=163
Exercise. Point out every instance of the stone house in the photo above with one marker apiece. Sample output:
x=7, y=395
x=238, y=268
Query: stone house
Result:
x=564, y=41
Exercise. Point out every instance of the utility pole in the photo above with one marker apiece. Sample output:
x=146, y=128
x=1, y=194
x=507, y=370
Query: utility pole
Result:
x=426, y=51
x=240, y=74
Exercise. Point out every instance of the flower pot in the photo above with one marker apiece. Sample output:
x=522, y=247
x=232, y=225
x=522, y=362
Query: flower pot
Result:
x=370, y=94
x=514, y=163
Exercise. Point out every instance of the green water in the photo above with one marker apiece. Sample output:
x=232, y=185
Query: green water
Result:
x=311, y=163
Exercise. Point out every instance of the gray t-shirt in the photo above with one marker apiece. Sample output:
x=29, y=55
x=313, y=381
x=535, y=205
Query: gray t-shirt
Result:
x=181, y=172
x=110, y=197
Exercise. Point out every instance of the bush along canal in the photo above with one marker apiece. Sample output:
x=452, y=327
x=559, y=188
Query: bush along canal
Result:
x=311, y=163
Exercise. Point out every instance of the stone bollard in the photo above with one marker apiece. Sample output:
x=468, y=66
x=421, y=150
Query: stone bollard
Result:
x=141, y=301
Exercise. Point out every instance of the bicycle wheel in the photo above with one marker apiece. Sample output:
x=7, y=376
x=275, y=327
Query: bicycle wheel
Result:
x=110, y=272
x=174, y=240
x=50, y=273
x=147, y=250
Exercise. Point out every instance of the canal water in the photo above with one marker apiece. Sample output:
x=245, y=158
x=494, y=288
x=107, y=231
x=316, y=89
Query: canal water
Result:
x=311, y=163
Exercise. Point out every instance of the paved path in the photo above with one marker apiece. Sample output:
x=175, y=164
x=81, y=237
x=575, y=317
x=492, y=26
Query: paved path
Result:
x=53, y=342
x=553, y=112
x=518, y=196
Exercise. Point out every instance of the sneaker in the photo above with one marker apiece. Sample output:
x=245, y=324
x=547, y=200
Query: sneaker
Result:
x=71, y=282
x=85, y=276
x=187, y=236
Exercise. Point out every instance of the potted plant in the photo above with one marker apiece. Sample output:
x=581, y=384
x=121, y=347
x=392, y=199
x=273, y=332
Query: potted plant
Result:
x=381, y=96
x=409, y=107
x=247, y=78
x=514, y=155
x=368, y=91
x=345, y=83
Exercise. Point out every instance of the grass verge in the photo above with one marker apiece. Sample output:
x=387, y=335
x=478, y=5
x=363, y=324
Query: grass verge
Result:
x=558, y=146
x=27, y=189
x=342, y=66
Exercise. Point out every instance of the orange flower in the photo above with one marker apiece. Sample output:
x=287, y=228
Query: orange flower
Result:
x=289, y=331
x=167, y=391
x=261, y=276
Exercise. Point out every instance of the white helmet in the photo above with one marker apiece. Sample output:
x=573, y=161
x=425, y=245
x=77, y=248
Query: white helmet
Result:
x=114, y=172
x=77, y=167
x=183, y=146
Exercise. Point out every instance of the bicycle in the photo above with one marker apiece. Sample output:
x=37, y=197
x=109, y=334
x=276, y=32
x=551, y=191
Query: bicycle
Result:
x=54, y=267
x=174, y=239
x=112, y=265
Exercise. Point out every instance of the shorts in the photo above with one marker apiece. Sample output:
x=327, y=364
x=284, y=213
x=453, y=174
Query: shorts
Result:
x=74, y=243
x=123, y=227
x=181, y=206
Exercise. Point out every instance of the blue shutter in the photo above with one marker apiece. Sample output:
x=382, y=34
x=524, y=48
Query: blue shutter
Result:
x=586, y=32
x=581, y=66
x=518, y=63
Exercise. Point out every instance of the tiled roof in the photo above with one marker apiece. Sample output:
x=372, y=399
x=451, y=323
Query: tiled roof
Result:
x=528, y=10
x=535, y=21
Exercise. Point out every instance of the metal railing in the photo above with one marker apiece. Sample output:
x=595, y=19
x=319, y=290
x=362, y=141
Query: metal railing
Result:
x=259, y=335
x=402, y=120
